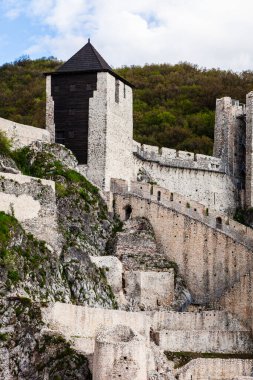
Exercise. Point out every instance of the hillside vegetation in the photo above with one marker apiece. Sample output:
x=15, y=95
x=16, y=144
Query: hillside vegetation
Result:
x=173, y=104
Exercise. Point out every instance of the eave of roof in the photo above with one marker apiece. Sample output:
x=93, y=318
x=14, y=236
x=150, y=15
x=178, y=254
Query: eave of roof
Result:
x=58, y=73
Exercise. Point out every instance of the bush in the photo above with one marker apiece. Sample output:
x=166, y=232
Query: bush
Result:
x=5, y=144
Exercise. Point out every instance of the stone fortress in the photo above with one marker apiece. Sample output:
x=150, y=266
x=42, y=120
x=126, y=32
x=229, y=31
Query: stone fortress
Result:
x=176, y=208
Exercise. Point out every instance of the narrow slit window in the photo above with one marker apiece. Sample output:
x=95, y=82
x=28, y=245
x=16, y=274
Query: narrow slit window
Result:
x=117, y=91
x=159, y=196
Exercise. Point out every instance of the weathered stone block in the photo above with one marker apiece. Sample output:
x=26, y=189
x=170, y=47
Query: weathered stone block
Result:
x=150, y=289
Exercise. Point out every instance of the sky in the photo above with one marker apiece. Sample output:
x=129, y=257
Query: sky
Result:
x=209, y=33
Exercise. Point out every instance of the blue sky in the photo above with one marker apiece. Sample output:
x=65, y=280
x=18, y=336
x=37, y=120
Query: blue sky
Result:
x=210, y=33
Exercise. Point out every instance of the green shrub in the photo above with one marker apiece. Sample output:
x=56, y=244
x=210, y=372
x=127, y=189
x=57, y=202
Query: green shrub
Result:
x=5, y=144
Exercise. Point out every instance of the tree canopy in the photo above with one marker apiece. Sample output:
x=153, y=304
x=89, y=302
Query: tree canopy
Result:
x=173, y=104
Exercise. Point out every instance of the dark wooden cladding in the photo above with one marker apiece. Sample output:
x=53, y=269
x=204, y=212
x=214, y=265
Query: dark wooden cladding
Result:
x=71, y=94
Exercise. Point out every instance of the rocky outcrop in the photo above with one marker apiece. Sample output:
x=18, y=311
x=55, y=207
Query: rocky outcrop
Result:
x=29, y=351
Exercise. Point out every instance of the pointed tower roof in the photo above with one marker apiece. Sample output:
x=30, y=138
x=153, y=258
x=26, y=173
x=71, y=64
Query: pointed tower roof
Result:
x=87, y=59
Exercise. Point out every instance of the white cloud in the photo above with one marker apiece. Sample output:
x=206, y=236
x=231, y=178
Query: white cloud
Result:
x=211, y=33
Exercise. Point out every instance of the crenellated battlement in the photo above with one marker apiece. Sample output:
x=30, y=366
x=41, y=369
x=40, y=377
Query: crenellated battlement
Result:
x=177, y=158
x=181, y=204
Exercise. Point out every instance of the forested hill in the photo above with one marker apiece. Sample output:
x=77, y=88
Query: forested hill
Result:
x=173, y=104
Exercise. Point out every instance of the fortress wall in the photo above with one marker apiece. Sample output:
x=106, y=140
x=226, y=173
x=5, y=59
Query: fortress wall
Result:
x=207, y=320
x=229, y=342
x=32, y=202
x=208, y=260
x=191, y=208
x=239, y=300
x=177, y=158
x=83, y=323
x=23, y=135
x=213, y=369
x=214, y=189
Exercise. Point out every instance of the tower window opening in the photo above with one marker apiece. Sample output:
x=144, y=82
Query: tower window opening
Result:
x=219, y=223
x=158, y=196
x=128, y=212
x=151, y=190
x=117, y=91
x=124, y=91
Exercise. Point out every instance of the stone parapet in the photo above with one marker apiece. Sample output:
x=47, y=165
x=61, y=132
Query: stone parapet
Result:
x=177, y=158
x=23, y=135
x=191, y=208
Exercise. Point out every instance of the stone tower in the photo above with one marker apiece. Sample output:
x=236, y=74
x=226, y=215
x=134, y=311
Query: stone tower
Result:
x=89, y=110
x=230, y=142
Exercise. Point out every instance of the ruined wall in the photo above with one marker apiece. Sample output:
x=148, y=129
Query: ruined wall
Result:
x=206, y=320
x=214, y=189
x=32, y=202
x=239, y=300
x=214, y=369
x=22, y=135
x=150, y=289
x=209, y=260
x=227, y=342
x=110, y=132
x=113, y=271
x=120, y=352
x=82, y=324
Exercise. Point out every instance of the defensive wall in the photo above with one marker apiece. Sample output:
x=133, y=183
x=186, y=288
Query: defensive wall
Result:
x=208, y=259
x=213, y=369
x=210, y=331
x=82, y=324
x=191, y=208
x=32, y=202
x=213, y=320
x=227, y=342
x=197, y=177
x=177, y=158
x=22, y=135
x=103, y=334
x=239, y=299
